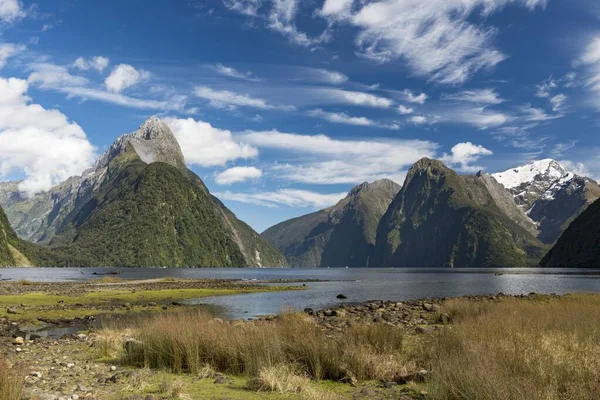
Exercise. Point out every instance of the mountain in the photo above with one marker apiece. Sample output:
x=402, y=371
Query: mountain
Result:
x=442, y=219
x=15, y=252
x=551, y=195
x=139, y=206
x=342, y=235
x=579, y=245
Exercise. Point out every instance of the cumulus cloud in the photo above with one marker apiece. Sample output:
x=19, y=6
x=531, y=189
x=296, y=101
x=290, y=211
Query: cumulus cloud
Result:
x=320, y=159
x=237, y=174
x=405, y=110
x=228, y=99
x=285, y=197
x=438, y=39
x=418, y=120
x=8, y=50
x=98, y=63
x=464, y=155
x=207, y=146
x=41, y=144
x=124, y=76
x=11, y=10
x=414, y=98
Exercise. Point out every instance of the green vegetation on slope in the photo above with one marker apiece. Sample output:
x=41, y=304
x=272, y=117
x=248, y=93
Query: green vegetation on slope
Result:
x=441, y=219
x=579, y=245
x=148, y=215
x=342, y=235
x=15, y=252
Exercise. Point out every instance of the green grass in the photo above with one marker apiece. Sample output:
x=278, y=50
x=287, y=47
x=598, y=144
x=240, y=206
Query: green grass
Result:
x=46, y=305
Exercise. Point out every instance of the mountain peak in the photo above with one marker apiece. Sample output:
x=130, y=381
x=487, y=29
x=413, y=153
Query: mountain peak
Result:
x=152, y=128
x=542, y=170
x=380, y=184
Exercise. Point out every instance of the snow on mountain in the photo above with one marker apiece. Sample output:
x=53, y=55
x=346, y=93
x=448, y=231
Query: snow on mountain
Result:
x=547, y=170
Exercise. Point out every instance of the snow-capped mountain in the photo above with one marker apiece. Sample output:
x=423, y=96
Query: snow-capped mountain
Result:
x=551, y=195
x=529, y=182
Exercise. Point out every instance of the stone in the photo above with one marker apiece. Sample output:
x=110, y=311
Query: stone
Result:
x=11, y=311
x=444, y=319
x=19, y=340
x=389, y=385
x=341, y=296
x=113, y=368
x=423, y=330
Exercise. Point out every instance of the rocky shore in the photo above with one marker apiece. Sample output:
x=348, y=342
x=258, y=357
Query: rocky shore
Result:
x=68, y=368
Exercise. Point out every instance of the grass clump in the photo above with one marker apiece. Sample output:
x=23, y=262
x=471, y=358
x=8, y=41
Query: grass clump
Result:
x=541, y=349
x=11, y=382
x=187, y=342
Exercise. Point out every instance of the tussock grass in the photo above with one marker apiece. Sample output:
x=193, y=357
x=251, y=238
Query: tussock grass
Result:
x=11, y=382
x=187, y=342
x=540, y=349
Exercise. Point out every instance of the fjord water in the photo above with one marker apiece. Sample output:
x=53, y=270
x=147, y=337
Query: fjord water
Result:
x=357, y=284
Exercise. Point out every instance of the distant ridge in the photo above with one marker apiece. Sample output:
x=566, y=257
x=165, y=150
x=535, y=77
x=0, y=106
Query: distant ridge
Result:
x=339, y=236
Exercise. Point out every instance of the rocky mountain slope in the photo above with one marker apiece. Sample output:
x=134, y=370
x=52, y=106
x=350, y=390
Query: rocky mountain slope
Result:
x=442, y=219
x=139, y=206
x=342, y=235
x=551, y=195
x=579, y=245
x=15, y=252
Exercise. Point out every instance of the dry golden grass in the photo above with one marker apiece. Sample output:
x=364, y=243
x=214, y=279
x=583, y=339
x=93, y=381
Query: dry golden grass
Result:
x=11, y=382
x=539, y=349
x=282, y=378
x=184, y=342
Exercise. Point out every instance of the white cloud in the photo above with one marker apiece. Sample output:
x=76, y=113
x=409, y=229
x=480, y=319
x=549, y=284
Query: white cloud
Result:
x=543, y=89
x=576, y=168
x=590, y=59
x=333, y=77
x=280, y=17
x=285, y=197
x=237, y=174
x=355, y=98
x=336, y=8
x=320, y=159
x=234, y=73
x=207, y=146
x=8, y=50
x=246, y=7
x=405, y=110
x=558, y=102
x=56, y=77
x=39, y=143
x=530, y=113
x=98, y=63
x=51, y=76
x=124, y=76
x=227, y=99
x=412, y=98
x=418, y=120
x=478, y=96
x=439, y=39
x=343, y=118
x=479, y=117
x=464, y=154
x=11, y=10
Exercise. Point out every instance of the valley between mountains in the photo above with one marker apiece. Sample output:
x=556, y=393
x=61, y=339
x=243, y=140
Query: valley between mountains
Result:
x=140, y=206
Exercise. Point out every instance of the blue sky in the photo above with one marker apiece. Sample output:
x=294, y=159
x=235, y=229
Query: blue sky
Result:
x=281, y=106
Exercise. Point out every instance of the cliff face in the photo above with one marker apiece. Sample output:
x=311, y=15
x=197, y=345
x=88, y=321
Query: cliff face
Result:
x=342, y=235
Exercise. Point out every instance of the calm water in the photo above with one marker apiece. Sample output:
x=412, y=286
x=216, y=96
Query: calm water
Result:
x=356, y=284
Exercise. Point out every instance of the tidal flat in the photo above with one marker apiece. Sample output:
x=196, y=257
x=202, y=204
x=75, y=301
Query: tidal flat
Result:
x=476, y=347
